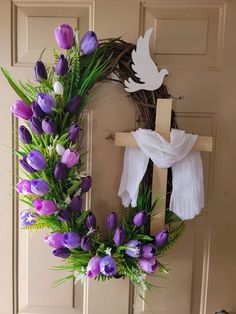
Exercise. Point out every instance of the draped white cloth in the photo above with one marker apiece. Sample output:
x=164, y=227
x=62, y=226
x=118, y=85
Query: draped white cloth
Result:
x=187, y=198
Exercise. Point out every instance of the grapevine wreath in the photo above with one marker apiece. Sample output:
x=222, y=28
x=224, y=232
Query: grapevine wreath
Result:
x=51, y=158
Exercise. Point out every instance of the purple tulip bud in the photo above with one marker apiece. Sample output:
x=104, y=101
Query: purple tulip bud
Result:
x=140, y=218
x=73, y=104
x=24, y=187
x=70, y=158
x=21, y=110
x=62, y=65
x=86, y=184
x=76, y=204
x=45, y=207
x=148, y=251
x=46, y=102
x=62, y=252
x=40, y=71
x=54, y=240
x=60, y=171
x=149, y=266
x=48, y=125
x=112, y=221
x=119, y=236
x=71, y=240
x=90, y=221
x=64, y=215
x=37, y=111
x=40, y=187
x=36, y=160
x=133, y=248
x=108, y=266
x=73, y=132
x=64, y=36
x=86, y=243
x=88, y=43
x=24, y=164
x=161, y=238
x=93, y=268
x=25, y=135
x=28, y=218
x=36, y=125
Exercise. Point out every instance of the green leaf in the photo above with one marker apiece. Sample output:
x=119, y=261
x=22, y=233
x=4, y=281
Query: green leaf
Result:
x=16, y=86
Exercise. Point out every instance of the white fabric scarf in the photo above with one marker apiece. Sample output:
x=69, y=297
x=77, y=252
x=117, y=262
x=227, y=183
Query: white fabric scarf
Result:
x=187, y=198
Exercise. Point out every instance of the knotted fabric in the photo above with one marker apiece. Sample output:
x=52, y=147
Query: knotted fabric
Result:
x=187, y=198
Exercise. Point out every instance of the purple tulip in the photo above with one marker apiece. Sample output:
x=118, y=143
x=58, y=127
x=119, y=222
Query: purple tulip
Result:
x=73, y=132
x=119, y=236
x=86, y=184
x=70, y=158
x=88, y=43
x=46, y=102
x=93, y=268
x=90, y=221
x=24, y=164
x=62, y=65
x=148, y=250
x=62, y=252
x=28, y=218
x=39, y=187
x=64, y=36
x=60, y=171
x=21, y=110
x=71, y=240
x=133, y=248
x=112, y=221
x=76, y=204
x=36, y=125
x=108, y=266
x=54, y=240
x=161, y=238
x=140, y=218
x=37, y=111
x=86, y=243
x=64, y=215
x=25, y=135
x=48, y=125
x=149, y=266
x=73, y=104
x=36, y=160
x=40, y=71
x=24, y=187
x=45, y=207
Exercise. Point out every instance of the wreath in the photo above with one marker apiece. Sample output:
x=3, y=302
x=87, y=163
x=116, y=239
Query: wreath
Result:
x=51, y=157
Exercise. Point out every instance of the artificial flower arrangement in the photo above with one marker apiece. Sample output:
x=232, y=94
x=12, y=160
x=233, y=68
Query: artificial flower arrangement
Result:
x=51, y=157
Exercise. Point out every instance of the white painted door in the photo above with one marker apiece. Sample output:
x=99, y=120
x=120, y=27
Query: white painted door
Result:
x=195, y=40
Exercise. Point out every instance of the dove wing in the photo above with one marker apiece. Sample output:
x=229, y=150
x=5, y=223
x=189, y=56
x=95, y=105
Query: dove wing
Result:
x=143, y=65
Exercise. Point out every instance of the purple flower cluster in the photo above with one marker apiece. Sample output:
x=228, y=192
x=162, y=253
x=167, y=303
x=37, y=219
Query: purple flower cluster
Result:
x=55, y=174
x=105, y=265
x=64, y=243
x=145, y=254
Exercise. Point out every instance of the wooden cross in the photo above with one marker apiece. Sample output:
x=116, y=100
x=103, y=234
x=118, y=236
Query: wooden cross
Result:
x=159, y=182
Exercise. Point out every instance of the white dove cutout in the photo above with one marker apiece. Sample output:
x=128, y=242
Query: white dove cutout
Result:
x=144, y=67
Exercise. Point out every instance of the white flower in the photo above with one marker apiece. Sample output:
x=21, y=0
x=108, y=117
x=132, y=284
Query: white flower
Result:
x=108, y=251
x=60, y=149
x=58, y=88
x=78, y=193
x=67, y=200
x=80, y=276
x=91, y=230
x=50, y=149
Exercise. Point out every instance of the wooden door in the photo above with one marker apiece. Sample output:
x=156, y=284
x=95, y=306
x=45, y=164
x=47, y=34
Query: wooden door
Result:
x=195, y=41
